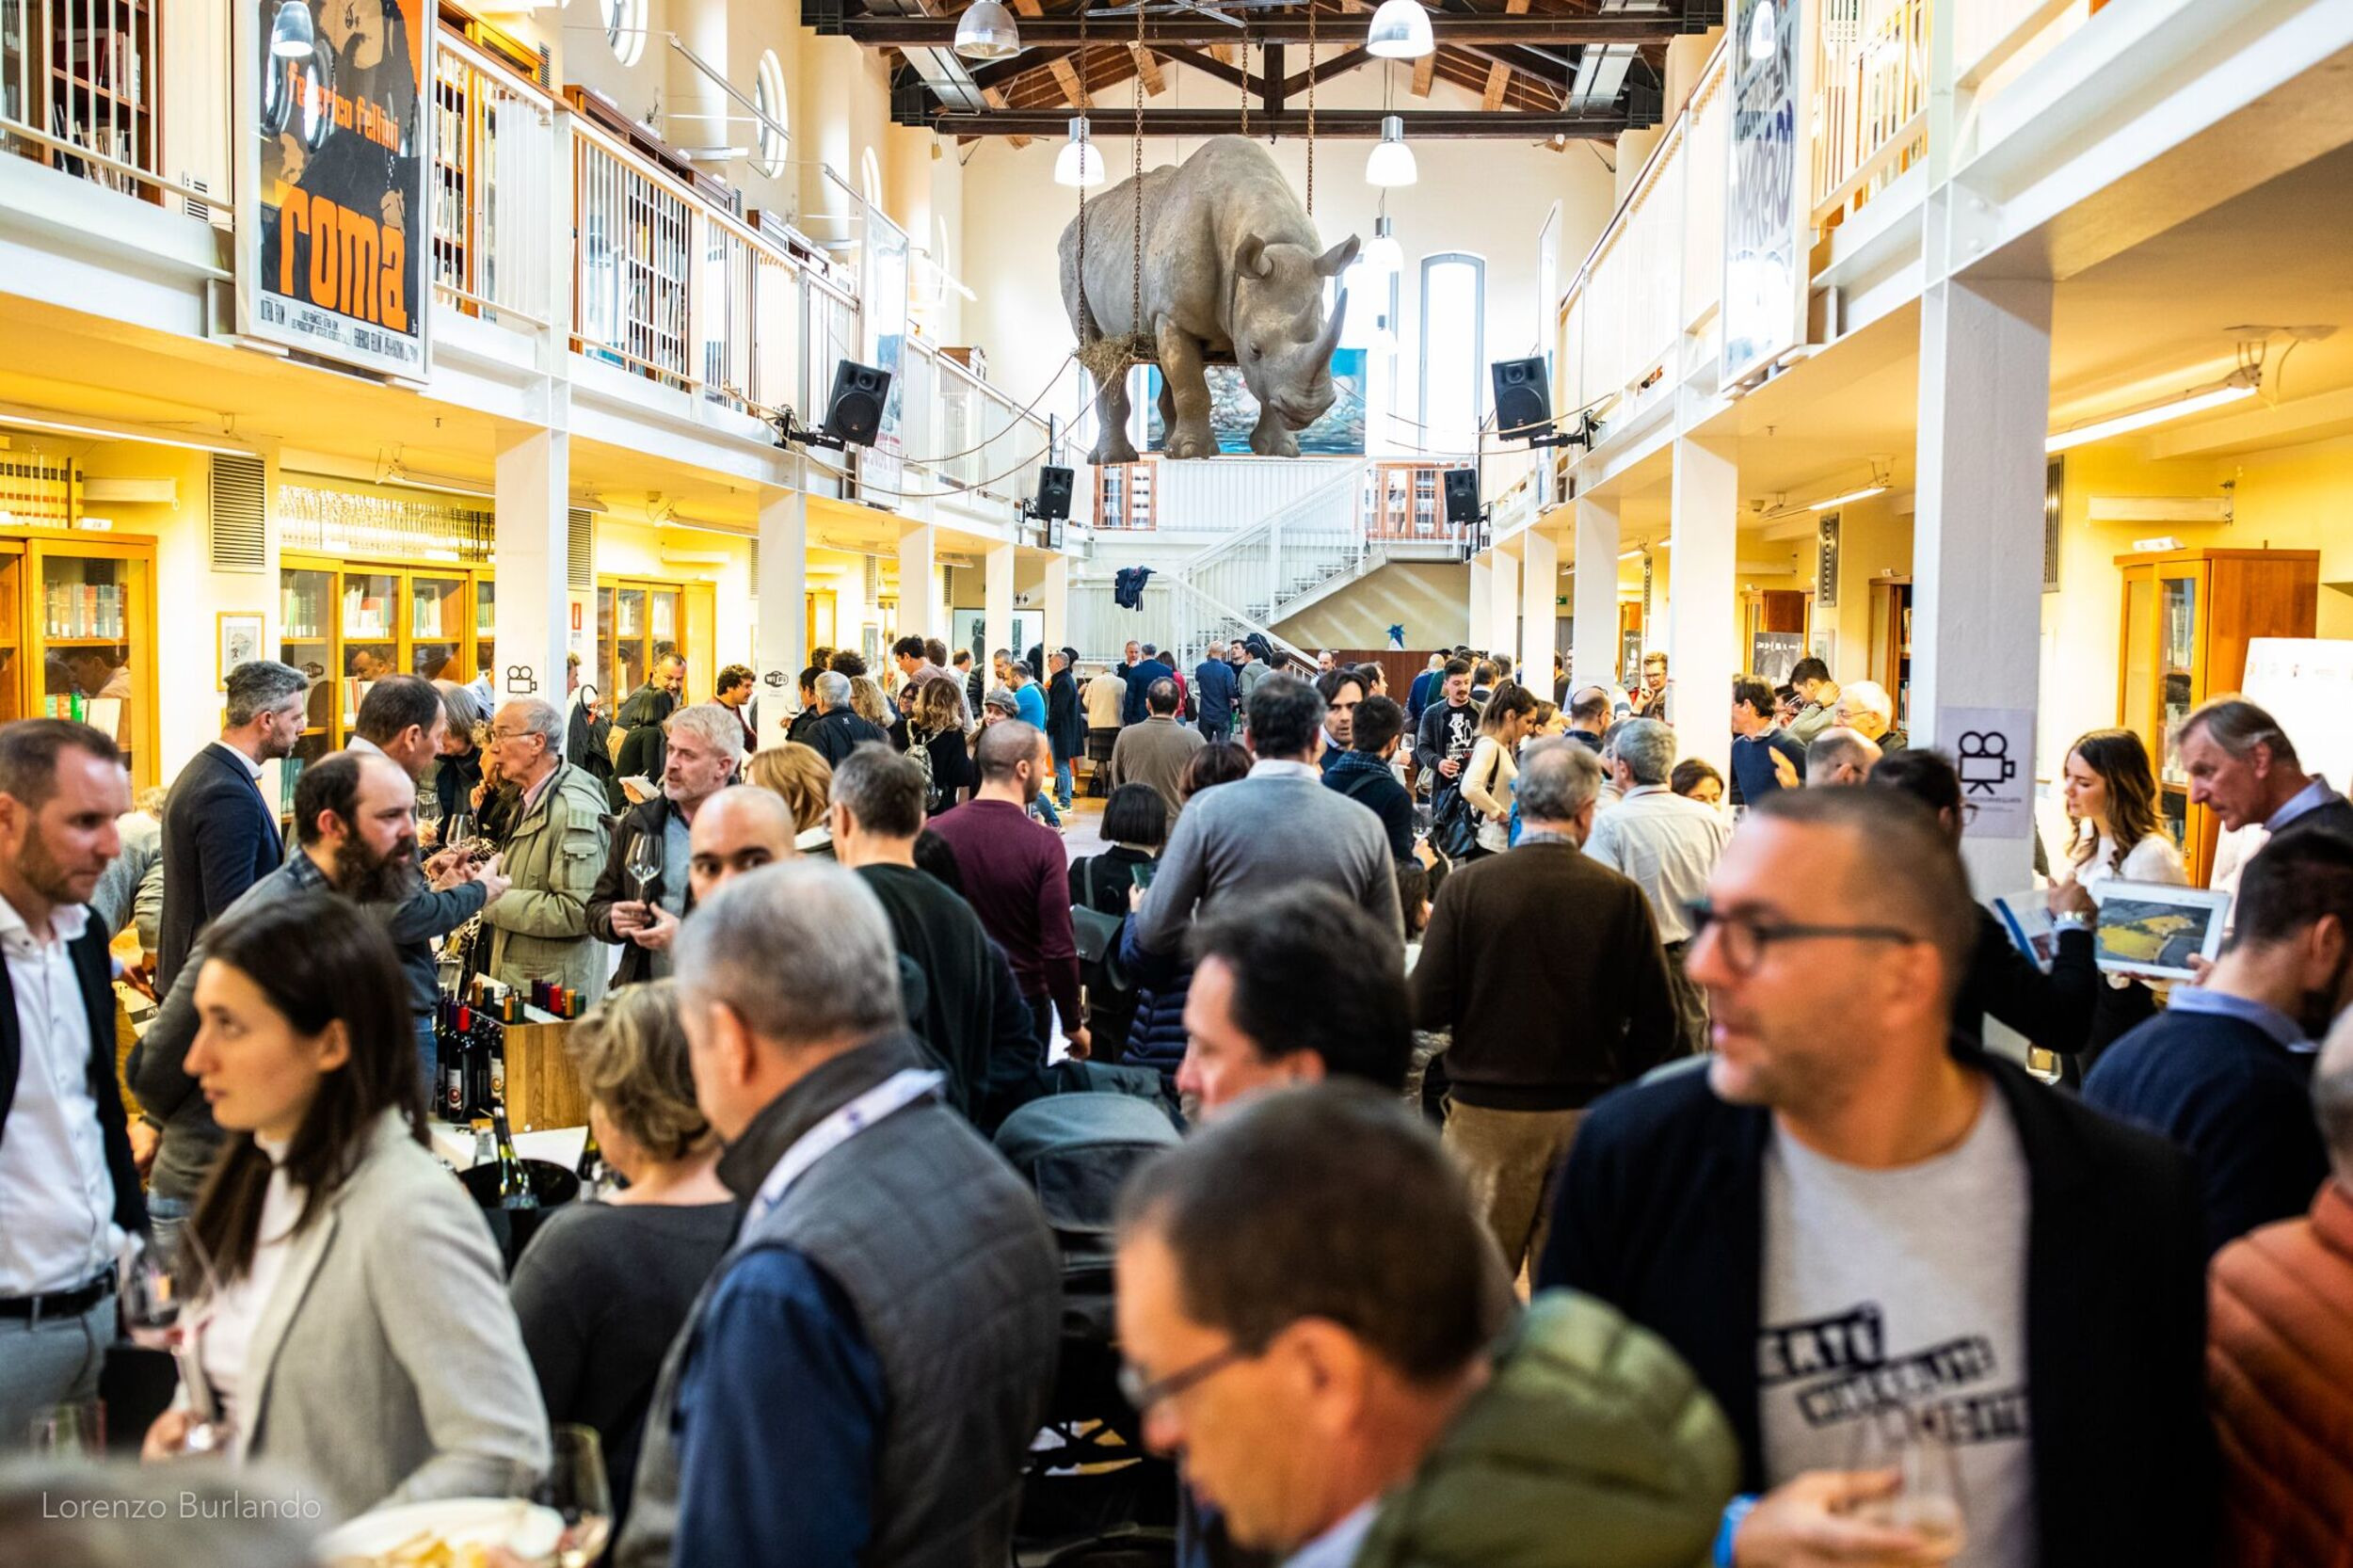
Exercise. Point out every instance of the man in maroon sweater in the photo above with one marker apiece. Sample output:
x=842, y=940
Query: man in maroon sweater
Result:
x=1016, y=875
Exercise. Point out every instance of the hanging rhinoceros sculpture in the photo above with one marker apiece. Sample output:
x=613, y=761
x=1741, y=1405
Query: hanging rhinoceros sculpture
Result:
x=1232, y=264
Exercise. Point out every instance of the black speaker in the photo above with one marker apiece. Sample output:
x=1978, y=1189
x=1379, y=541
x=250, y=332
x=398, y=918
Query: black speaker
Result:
x=854, y=412
x=1523, y=400
x=1461, y=496
x=1053, y=493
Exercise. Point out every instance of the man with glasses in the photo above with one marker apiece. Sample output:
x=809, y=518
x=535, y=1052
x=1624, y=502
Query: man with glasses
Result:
x=1328, y=1369
x=1853, y=1226
x=540, y=926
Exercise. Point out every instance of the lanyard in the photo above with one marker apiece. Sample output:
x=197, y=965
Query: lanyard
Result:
x=899, y=1090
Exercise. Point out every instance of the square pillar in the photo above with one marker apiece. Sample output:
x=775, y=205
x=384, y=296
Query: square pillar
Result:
x=918, y=583
x=1594, y=654
x=780, y=631
x=1503, y=607
x=1056, y=600
x=1977, y=550
x=1482, y=600
x=1540, y=593
x=1702, y=609
x=532, y=531
x=996, y=603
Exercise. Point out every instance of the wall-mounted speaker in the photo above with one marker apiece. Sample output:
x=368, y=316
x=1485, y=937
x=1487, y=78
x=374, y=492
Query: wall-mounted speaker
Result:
x=1523, y=399
x=1462, y=497
x=854, y=412
x=1053, y=493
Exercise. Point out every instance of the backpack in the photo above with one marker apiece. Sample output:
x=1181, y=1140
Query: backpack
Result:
x=921, y=752
x=1096, y=935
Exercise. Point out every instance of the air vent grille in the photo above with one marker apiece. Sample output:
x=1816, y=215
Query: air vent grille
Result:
x=236, y=501
x=581, y=551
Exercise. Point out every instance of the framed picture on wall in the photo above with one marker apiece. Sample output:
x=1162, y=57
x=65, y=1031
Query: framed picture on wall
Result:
x=240, y=633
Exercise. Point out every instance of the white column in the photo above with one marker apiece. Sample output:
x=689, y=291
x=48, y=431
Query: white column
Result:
x=532, y=528
x=1057, y=599
x=918, y=581
x=781, y=633
x=1594, y=657
x=1503, y=607
x=1482, y=600
x=1702, y=611
x=996, y=603
x=1540, y=592
x=1976, y=547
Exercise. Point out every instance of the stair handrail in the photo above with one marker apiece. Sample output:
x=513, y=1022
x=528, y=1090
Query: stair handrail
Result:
x=1353, y=475
x=1248, y=622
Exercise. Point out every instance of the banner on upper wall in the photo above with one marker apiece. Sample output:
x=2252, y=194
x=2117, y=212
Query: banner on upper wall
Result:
x=334, y=223
x=1764, y=209
x=885, y=309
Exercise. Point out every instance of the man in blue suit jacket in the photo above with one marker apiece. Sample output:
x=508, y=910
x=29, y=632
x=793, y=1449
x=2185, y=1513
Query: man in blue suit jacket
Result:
x=1140, y=680
x=1216, y=686
x=220, y=836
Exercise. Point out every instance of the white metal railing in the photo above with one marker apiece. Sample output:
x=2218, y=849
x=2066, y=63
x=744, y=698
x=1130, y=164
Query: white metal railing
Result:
x=494, y=183
x=1989, y=35
x=633, y=262
x=1870, y=99
x=81, y=90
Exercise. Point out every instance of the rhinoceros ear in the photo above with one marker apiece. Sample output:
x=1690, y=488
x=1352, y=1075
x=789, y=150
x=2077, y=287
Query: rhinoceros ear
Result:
x=1251, y=259
x=1335, y=260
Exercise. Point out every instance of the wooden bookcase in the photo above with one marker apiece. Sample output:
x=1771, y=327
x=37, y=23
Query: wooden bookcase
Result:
x=77, y=637
x=90, y=79
x=1891, y=643
x=2184, y=621
x=346, y=623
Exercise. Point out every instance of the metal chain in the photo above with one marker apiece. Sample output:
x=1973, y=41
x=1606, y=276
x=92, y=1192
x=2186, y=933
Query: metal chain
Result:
x=1135, y=186
x=1311, y=108
x=1246, y=86
x=1085, y=315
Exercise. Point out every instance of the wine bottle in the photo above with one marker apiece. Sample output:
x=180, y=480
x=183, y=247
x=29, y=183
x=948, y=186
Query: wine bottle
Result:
x=486, y=1148
x=514, y=1179
x=451, y=1056
x=591, y=1169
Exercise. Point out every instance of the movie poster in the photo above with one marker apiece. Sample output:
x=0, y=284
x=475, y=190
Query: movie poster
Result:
x=1764, y=253
x=335, y=223
x=1234, y=412
x=885, y=308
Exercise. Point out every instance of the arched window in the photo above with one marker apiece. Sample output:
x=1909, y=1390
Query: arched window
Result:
x=870, y=178
x=1453, y=349
x=625, y=28
x=768, y=101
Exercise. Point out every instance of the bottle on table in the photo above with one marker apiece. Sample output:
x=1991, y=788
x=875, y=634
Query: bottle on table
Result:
x=486, y=1149
x=514, y=1177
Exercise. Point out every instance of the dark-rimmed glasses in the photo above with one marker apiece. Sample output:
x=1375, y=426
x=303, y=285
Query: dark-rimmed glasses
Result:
x=1743, y=938
x=1144, y=1394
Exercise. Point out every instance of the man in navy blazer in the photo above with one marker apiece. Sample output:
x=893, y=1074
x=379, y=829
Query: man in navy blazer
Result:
x=220, y=836
x=67, y=1180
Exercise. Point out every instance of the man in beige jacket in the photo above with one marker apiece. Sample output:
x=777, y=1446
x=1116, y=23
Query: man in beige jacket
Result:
x=540, y=925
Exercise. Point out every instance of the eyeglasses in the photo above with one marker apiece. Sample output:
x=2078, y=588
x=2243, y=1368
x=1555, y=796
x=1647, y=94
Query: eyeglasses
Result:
x=1743, y=938
x=498, y=735
x=1144, y=1394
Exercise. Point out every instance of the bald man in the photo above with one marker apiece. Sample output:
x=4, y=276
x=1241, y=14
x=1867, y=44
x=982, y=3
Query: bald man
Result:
x=740, y=829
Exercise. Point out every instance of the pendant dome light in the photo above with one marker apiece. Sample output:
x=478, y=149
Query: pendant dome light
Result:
x=1383, y=257
x=1391, y=162
x=986, y=31
x=1078, y=162
x=1400, y=31
x=290, y=35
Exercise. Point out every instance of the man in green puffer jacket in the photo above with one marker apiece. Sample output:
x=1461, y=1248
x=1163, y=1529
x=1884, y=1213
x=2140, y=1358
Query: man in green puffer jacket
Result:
x=1308, y=1312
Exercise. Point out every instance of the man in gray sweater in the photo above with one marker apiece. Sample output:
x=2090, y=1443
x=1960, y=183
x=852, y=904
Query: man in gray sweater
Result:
x=1277, y=828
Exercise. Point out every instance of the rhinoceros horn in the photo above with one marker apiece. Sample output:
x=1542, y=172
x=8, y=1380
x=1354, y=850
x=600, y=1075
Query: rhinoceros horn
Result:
x=1331, y=337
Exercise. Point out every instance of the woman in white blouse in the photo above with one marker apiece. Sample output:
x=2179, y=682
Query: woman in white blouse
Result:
x=361, y=1330
x=1494, y=765
x=2111, y=798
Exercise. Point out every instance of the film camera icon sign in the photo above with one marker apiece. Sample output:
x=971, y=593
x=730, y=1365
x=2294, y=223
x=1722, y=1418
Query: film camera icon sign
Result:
x=522, y=680
x=1985, y=761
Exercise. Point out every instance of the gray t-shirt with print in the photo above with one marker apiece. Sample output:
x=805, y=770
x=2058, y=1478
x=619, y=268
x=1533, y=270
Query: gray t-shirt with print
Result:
x=1904, y=1287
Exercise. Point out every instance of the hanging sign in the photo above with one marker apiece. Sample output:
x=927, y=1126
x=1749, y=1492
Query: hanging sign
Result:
x=884, y=311
x=334, y=223
x=1993, y=750
x=1765, y=251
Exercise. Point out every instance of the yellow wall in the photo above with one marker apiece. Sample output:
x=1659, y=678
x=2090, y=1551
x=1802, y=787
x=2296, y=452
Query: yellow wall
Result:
x=2298, y=498
x=1429, y=599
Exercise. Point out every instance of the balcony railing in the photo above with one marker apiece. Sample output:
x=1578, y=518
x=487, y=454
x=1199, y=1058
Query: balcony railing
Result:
x=82, y=88
x=492, y=129
x=1870, y=104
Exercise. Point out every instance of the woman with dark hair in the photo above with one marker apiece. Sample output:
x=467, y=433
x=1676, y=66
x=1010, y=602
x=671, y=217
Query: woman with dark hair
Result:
x=1494, y=765
x=1135, y=825
x=2116, y=836
x=1695, y=779
x=324, y=1216
x=936, y=738
x=604, y=1288
x=1218, y=763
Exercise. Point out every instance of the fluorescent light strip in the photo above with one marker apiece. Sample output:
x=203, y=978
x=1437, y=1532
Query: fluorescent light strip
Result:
x=1863, y=494
x=60, y=428
x=2181, y=408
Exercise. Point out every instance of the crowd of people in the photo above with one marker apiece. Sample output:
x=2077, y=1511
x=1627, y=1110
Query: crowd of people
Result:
x=1585, y=1157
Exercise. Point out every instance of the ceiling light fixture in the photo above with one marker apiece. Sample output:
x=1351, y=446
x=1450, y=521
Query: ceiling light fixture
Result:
x=1383, y=257
x=1881, y=478
x=2241, y=383
x=1391, y=162
x=10, y=419
x=1078, y=162
x=1400, y=31
x=986, y=31
x=290, y=35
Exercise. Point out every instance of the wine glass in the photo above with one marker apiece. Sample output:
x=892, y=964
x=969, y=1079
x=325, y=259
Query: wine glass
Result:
x=574, y=1489
x=166, y=1288
x=457, y=829
x=645, y=862
x=1926, y=1500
